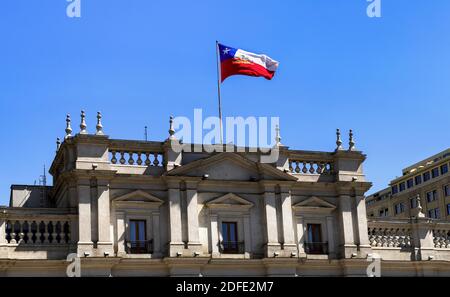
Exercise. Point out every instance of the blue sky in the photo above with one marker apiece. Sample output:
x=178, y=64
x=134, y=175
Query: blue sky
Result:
x=141, y=61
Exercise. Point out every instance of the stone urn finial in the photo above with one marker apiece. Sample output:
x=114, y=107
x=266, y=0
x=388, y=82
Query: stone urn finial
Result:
x=171, y=130
x=277, y=136
x=338, y=140
x=83, y=123
x=99, y=126
x=351, y=141
x=68, y=127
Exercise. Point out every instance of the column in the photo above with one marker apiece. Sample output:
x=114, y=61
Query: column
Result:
x=192, y=218
x=288, y=227
x=85, y=244
x=361, y=225
x=271, y=224
x=300, y=236
x=346, y=223
x=104, y=244
x=156, y=235
x=176, y=243
x=2, y=231
x=214, y=235
x=247, y=237
x=331, y=239
x=120, y=216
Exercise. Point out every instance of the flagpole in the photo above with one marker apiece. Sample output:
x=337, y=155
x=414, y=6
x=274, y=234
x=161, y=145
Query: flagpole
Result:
x=218, y=89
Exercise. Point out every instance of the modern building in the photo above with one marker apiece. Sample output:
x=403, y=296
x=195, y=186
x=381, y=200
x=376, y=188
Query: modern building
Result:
x=429, y=179
x=146, y=208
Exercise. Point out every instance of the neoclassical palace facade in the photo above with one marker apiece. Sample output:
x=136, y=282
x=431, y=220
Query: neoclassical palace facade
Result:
x=143, y=208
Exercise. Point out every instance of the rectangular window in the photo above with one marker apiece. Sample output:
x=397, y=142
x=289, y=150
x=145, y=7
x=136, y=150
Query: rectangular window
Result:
x=432, y=196
x=394, y=189
x=444, y=169
x=413, y=202
x=230, y=238
x=399, y=208
x=418, y=179
x=435, y=172
x=426, y=176
x=434, y=213
x=401, y=187
x=315, y=244
x=448, y=209
x=409, y=183
x=137, y=244
x=447, y=190
x=384, y=212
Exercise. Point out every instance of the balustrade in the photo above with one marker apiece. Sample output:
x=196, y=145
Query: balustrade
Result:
x=37, y=232
x=310, y=167
x=136, y=158
x=441, y=238
x=390, y=237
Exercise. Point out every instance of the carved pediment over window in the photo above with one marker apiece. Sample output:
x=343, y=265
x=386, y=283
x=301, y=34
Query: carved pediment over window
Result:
x=229, y=201
x=137, y=199
x=314, y=205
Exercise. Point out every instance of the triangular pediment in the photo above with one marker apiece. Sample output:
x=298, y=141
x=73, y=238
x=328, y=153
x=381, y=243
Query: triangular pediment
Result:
x=229, y=201
x=314, y=204
x=231, y=166
x=136, y=198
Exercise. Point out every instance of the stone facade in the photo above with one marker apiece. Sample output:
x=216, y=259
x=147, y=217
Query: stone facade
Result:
x=429, y=179
x=141, y=208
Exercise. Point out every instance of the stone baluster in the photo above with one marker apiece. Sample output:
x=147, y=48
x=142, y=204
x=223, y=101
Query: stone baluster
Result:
x=53, y=234
x=304, y=169
x=155, y=161
x=130, y=158
x=113, y=157
x=139, y=160
x=291, y=169
x=27, y=232
x=46, y=232
x=20, y=232
x=297, y=167
x=122, y=157
x=13, y=233
x=147, y=159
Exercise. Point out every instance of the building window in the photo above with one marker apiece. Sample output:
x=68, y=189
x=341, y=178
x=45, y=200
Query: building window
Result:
x=394, y=189
x=399, y=208
x=448, y=209
x=444, y=169
x=432, y=196
x=447, y=190
x=426, y=176
x=138, y=244
x=413, y=202
x=435, y=172
x=384, y=212
x=434, y=213
x=315, y=244
x=230, y=243
x=409, y=183
x=418, y=180
x=401, y=187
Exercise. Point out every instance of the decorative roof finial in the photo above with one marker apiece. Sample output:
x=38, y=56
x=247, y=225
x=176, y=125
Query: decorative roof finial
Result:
x=277, y=136
x=338, y=140
x=83, y=123
x=351, y=142
x=417, y=211
x=99, y=126
x=68, y=127
x=58, y=144
x=171, y=130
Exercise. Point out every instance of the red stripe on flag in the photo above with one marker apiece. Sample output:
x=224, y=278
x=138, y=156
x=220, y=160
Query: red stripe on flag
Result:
x=242, y=67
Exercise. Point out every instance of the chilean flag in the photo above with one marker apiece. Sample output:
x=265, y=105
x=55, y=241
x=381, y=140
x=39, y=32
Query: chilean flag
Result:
x=236, y=61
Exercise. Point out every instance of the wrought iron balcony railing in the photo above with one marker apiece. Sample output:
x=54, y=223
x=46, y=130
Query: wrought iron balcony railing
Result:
x=231, y=247
x=139, y=247
x=316, y=248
